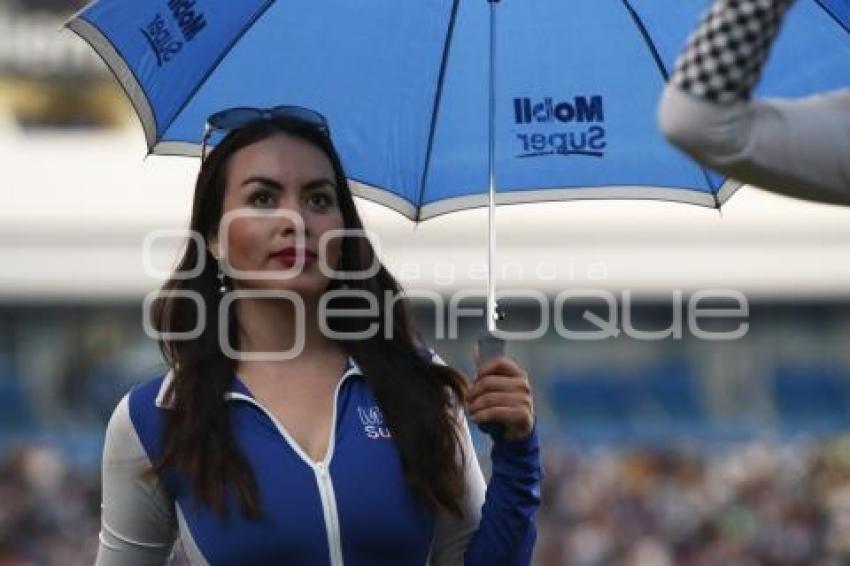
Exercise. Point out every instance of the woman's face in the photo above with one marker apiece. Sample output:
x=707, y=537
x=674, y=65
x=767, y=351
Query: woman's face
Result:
x=272, y=187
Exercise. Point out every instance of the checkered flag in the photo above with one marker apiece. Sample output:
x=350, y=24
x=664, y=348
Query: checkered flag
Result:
x=724, y=56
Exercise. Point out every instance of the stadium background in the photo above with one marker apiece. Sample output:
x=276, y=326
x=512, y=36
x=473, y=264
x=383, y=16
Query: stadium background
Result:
x=683, y=451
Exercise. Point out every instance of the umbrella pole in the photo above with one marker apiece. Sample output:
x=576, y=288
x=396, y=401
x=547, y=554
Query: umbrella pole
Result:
x=492, y=308
x=489, y=345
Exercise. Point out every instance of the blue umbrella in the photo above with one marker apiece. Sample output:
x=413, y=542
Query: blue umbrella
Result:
x=433, y=102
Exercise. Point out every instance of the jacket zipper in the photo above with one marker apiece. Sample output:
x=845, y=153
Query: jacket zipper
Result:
x=320, y=469
x=326, y=493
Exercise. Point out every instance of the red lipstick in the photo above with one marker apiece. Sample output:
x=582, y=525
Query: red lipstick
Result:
x=289, y=256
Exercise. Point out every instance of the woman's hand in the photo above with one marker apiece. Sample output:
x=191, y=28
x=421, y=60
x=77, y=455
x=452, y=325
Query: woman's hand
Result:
x=502, y=393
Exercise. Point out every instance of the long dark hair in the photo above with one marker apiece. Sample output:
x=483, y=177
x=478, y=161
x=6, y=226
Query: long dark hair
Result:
x=416, y=396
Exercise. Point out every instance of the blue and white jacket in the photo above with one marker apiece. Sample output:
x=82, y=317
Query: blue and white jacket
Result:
x=352, y=508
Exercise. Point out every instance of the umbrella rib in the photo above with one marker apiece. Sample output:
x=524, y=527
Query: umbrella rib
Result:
x=438, y=95
x=659, y=62
x=845, y=25
x=224, y=53
x=647, y=39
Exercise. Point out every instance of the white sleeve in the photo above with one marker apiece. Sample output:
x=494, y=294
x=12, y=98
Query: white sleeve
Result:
x=452, y=534
x=138, y=524
x=798, y=148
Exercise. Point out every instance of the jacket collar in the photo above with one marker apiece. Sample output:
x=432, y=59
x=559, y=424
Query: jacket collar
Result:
x=237, y=386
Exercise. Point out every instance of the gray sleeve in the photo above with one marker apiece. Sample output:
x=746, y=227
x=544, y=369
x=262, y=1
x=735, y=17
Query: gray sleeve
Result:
x=138, y=524
x=798, y=148
x=452, y=534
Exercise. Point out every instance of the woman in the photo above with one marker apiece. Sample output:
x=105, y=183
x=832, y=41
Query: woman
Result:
x=355, y=450
x=799, y=148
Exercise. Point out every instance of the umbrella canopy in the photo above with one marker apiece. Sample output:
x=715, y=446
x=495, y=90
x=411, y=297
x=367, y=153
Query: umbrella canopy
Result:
x=405, y=86
x=433, y=104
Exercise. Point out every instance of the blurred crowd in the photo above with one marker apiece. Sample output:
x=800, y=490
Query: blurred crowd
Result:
x=49, y=509
x=759, y=504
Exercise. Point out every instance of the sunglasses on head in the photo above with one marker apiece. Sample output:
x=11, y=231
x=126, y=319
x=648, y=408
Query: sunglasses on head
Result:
x=236, y=118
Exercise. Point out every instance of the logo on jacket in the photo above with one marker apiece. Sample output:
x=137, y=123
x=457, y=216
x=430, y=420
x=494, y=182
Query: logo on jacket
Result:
x=373, y=422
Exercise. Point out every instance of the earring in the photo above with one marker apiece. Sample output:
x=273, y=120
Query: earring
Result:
x=220, y=275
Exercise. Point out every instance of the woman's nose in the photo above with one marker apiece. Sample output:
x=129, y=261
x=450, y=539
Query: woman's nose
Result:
x=290, y=218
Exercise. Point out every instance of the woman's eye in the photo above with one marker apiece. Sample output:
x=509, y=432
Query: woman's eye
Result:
x=321, y=200
x=262, y=198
